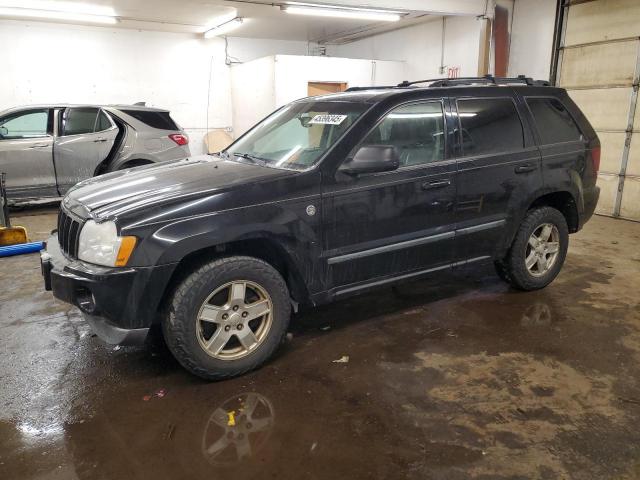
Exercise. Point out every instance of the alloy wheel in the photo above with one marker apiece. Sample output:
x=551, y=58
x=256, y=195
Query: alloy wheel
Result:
x=234, y=320
x=542, y=249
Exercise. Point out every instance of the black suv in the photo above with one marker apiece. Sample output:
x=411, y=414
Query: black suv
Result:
x=327, y=197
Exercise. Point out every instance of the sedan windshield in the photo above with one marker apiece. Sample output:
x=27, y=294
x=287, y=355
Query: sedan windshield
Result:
x=296, y=136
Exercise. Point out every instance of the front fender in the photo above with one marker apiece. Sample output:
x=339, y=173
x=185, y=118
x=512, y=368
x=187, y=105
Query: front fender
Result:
x=285, y=223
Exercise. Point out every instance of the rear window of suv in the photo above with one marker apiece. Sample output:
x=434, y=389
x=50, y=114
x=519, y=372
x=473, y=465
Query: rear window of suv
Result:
x=161, y=120
x=555, y=123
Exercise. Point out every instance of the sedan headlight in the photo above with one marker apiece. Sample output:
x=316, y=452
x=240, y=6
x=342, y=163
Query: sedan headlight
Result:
x=100, y=244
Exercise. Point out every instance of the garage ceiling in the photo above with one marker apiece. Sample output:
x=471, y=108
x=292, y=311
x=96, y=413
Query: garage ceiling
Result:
x=264, y=19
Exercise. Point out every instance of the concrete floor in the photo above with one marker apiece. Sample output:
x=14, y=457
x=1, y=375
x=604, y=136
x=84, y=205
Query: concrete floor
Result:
x=458, y=377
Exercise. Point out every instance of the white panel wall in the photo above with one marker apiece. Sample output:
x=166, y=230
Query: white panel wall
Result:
x=252, y=92
x=260, y=86
x=420, y=47
x=293, y=74
x=532, y=38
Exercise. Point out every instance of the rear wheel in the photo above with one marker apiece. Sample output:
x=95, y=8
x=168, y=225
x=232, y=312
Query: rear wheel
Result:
x=538, y=250
x=227, y=317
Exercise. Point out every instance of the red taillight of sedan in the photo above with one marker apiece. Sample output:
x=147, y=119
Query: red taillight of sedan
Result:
x=179, y=138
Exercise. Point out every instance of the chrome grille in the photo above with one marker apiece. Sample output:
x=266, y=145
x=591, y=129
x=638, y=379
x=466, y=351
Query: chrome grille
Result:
x=68, y=233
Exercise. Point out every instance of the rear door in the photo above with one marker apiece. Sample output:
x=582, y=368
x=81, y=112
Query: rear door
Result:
x=498, y=171
x=394, y=223
x=86, y=136
x=26, y=145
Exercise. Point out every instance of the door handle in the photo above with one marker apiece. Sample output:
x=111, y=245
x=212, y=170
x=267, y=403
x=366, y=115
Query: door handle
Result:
x=100, y=140
x=40, y=145
x=434, y=185
x=527, y=167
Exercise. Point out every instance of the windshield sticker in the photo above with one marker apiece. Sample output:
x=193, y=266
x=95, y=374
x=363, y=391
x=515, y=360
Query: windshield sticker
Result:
x=326, y=119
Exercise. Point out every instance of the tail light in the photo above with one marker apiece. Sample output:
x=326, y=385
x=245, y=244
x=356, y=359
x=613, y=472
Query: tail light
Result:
x=595, y=158
x=179, y=138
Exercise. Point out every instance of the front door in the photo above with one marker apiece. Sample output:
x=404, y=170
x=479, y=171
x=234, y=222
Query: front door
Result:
x=498, y=168
x=383, y=225
x=87, y=135
x=26, y=145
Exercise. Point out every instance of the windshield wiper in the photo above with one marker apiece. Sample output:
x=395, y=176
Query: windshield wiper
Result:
x=251, y=158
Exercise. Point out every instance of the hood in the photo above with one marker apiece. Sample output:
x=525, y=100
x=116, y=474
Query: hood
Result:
x=114, y=193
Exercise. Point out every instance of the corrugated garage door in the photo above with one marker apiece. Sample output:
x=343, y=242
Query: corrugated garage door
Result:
x=599, y=64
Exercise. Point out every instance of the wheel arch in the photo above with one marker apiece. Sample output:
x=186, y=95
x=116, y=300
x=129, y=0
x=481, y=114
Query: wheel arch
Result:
x=263, y=248
x=563, y=201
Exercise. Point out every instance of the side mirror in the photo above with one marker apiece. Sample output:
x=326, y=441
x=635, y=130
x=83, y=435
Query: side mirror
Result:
x=4, y=131
x=372, y=159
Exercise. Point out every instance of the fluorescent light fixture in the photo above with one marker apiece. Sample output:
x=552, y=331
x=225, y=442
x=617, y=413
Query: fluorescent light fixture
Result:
x=298, y=8
x=223, y=28
x=48, y=10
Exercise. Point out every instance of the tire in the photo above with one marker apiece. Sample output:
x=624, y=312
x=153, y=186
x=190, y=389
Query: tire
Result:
x=189, y=326
x=513, y=268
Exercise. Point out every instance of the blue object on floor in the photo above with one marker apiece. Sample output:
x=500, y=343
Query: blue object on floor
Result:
x=21, y=248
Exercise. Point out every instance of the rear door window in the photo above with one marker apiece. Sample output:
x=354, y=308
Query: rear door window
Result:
x=161, y=120
x=78, y=121
x=553, y=121
x=416, y=130
x=489, y=126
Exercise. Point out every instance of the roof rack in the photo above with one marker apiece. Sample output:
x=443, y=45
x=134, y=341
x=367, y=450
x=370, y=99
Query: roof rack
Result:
x=487, y=79
x=449, y=82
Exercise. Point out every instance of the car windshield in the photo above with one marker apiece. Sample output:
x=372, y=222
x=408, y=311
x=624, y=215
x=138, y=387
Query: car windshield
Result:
x=297, y=135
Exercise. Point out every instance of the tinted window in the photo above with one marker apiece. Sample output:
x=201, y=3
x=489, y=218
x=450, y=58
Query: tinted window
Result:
x=32, y=124
x=103, y=122
x=160, y=120
x=489, y=125
x=416, y=130
x=79, y=121
x=554, y=122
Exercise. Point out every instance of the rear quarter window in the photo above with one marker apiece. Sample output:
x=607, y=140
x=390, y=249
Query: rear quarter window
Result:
x=553, y=121
x=489, y=126
x=161, y=120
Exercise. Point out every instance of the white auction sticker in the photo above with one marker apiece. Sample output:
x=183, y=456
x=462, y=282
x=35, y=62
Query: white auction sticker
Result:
x=326, y=119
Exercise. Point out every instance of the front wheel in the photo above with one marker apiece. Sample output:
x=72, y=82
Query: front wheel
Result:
x=227, y=317
x=538, y=251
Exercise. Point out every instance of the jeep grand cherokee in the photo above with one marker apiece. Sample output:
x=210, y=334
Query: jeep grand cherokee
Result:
x=327, y=197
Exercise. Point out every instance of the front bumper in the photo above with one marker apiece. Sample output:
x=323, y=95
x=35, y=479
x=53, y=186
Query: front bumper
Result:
x=120, y=304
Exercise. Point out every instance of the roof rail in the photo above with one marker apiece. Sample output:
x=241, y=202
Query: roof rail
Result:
x=450, y=82
x=487, y=79
x=379, y=87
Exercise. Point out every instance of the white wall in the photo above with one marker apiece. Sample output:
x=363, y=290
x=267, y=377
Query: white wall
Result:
x=56, y=63
x=293, y=74
x=420, y=47
x=262, y=85
x=253, y=93
x=247, y=49
x=532, y=38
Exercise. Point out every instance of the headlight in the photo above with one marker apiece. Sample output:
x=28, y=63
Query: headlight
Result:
x=100, y=244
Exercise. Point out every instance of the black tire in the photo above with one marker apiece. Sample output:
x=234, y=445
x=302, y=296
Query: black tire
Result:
x=513, y=268
x=179, y=324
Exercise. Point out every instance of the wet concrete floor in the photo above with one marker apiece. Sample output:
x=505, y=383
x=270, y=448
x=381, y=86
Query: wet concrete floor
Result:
x=452, y=378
